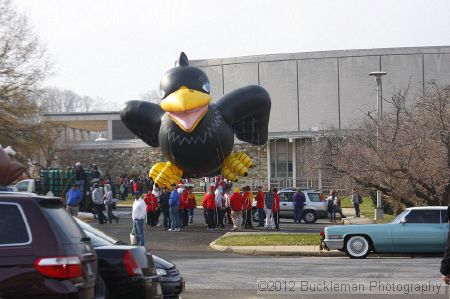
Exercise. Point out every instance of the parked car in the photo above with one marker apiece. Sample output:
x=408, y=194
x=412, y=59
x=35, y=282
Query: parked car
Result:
x=43, y=252
x=27, y=185
x=415, y=230
x=172, y=283
x=315, y=205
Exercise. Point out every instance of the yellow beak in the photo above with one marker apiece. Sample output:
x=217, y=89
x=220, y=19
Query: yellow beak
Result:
x=185, y=99
x=186, y=107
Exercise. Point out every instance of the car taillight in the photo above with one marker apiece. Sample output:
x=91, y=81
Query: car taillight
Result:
x=61, y=267
x=130, y=264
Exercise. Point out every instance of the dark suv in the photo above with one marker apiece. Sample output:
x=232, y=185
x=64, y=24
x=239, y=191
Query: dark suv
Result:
x=43, y=252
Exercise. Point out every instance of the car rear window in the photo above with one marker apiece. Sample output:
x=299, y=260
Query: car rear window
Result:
x=13, y=230
x=444, y=216
x=67, y=230
x=314, y=196
x=96, y=241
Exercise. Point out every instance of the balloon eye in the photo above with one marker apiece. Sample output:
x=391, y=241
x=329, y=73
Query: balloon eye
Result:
x=206, y=87
x=161, y=93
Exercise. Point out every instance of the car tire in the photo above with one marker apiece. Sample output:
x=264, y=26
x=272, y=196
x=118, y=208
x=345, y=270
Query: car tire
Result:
x=357, y=247
x=309, y=216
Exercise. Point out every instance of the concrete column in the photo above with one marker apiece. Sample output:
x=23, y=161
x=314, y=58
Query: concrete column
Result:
x=109, y=136
x=294, y=162
x=74, y=134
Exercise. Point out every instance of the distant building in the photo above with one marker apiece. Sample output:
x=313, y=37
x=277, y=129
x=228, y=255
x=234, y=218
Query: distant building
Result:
x=309, y=91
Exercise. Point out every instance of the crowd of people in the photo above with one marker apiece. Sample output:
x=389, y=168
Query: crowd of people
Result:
x=221, y=207
x=100, y=190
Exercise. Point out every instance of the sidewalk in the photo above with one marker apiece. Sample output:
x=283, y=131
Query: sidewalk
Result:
x=273, y=249
x=290, y=250
x=351, y=219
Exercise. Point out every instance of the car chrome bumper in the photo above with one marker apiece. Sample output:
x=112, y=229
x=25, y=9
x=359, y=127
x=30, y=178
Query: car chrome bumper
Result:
x=334, y=243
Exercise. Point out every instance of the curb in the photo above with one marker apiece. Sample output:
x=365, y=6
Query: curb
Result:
x=274, y=251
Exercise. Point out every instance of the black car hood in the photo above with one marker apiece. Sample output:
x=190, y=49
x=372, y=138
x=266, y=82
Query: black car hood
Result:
x=162, y=263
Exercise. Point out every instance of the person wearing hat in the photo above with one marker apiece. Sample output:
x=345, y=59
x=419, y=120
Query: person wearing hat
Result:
x=174, y=205
x=236, y=204
x=97, y=198
x=209, y=204
x=73, y=199
x=80, y=176
x=138, y=215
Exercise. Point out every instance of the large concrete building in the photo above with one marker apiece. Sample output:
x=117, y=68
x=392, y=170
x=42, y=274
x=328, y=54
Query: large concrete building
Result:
x=309, y=91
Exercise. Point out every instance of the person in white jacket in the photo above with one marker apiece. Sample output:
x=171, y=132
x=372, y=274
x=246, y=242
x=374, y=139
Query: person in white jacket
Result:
x=138, y=215
x=97, y=198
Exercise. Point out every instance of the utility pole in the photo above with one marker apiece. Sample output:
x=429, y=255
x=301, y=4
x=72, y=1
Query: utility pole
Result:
x=379, y=208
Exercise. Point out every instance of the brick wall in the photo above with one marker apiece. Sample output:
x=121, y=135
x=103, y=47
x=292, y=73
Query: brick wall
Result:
x=134, y=160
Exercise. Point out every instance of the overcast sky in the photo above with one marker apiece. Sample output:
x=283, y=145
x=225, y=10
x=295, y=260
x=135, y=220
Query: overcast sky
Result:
x=119, y=49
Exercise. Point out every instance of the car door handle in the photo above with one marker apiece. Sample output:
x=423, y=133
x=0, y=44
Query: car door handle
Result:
x=284, y=204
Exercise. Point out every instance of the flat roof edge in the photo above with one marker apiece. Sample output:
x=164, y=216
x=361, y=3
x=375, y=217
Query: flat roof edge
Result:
x=322, y=55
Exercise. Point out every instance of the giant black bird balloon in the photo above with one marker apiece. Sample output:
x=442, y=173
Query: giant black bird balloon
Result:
x=195, y=135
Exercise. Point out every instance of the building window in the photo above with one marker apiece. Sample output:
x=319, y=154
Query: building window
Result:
x=281, y=159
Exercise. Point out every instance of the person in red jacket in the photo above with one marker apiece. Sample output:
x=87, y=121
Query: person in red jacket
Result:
x=236, y=201
x=209, y=204
x=152, y=205
x=191, y=205
x=183, y=207
x=276, y=208
x=260, y=206
x=247, y=208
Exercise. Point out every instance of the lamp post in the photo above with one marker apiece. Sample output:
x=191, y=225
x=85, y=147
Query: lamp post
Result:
x=379, y=209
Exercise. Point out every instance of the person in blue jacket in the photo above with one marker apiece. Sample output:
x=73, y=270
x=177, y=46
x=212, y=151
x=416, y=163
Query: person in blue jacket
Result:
x=174, y=204
x=73, y=199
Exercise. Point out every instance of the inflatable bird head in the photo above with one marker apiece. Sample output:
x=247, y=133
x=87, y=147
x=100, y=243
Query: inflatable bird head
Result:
x=185, y=92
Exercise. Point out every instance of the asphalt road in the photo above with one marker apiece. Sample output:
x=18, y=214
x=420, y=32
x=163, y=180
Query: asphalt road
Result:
x=209, y=273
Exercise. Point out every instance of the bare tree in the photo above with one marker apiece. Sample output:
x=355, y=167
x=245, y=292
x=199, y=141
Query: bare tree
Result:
x=410, y=159
x=23, y=65
x=58, y=100
x=151, y=96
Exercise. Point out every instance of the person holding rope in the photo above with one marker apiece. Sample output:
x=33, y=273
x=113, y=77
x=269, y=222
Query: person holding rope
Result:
x=248, y=201
x=276, y=209
x=236, y=201
x=209, y=204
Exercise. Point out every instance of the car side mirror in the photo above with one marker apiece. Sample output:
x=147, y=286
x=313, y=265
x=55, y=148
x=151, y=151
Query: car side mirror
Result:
x=403, y=221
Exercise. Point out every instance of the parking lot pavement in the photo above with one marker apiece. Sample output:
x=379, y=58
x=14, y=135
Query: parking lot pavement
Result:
x=193, y=241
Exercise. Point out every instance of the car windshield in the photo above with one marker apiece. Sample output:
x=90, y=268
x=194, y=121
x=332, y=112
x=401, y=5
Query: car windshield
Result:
x=400, y=216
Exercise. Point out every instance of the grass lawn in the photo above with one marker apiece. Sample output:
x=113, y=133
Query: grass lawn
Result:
x=270, y=239
x=367, y=209
x=128, y=202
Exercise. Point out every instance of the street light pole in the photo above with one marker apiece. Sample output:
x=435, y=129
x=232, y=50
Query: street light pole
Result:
x=379, y=209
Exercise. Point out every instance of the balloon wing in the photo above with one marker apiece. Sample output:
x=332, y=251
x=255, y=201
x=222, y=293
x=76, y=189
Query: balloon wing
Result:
x=247, y=109
x=143, y=119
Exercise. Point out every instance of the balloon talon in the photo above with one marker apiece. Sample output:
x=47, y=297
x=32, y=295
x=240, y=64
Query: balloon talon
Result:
x=165, y=174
